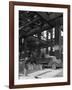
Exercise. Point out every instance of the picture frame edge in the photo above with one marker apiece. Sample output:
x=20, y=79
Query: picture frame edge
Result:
x=11, y=76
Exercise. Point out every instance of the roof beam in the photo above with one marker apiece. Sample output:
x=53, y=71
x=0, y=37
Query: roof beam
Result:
x=52, y=17
x=27, y=24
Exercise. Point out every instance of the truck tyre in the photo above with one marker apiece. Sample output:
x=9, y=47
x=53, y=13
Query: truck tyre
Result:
x=54, y=66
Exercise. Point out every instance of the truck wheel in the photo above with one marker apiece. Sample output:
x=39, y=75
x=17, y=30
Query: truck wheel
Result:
x=54, y=66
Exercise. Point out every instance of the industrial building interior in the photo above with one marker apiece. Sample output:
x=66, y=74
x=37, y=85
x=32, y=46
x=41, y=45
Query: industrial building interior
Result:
x=40, y=42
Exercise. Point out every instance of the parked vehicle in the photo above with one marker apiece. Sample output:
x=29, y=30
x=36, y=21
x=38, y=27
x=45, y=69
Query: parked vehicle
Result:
x=51, y=62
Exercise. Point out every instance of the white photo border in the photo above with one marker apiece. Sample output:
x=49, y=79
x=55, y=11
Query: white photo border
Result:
x=18, y=81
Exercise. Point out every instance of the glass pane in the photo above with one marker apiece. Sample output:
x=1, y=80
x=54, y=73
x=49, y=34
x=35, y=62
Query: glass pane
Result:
x=53, y=33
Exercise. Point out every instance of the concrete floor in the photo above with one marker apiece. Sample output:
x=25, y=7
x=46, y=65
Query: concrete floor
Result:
x=45, y=73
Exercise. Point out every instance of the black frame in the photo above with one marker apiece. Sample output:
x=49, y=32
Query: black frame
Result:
x=11, y=44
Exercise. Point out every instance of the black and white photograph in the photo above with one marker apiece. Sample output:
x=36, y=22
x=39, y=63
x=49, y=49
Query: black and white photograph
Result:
x=39, y=44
